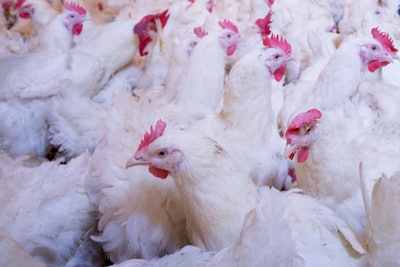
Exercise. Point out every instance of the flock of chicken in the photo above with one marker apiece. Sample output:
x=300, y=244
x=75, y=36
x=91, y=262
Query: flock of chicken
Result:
x=199, y=133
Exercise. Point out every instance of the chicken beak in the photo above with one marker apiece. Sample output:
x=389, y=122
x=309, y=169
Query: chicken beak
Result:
x=288, y=58
x=387, y=57
x=136, y=160
x=85, y=18
x=290, y=150
x=395, y=56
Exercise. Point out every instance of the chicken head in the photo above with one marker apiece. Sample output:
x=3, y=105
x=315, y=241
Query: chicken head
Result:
x=229, y=37
x=378, y=53
x=280, y=55
x=74, y=16
x=162, y=159
x=300, y=134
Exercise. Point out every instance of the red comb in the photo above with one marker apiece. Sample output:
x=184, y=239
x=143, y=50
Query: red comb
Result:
x=270, y=2
x=19, y=3
x=153, y=135
x=75, y=7
x=384, y=39
x=227, y=24
x=200, y=32
x=301, y=120
x=163, y=17
x=264, y=24
x=277, y=41
x=142, y=27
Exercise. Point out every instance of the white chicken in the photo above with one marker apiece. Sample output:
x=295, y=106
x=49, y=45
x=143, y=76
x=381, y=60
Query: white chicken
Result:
x=327, y=164
x=247, y=118
x=140, y=217
x=187, y=93
x=211, y=229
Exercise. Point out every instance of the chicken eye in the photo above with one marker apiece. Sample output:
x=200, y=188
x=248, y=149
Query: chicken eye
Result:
x=277, y=56
x=161, y=153
x=228, y=35
x=373, y=47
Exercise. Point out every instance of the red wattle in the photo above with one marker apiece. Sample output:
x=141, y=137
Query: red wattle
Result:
x=159, y=173
x=77, y=29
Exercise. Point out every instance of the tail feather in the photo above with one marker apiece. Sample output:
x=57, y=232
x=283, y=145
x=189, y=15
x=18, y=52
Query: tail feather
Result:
x=383, y=222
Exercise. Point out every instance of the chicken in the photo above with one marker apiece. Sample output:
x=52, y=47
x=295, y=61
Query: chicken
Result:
x=186, y=92
x=225, y=210
x=47, y=207
x=140, y=217
x=247, y=118
x=327, y=164
x=179, y=55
